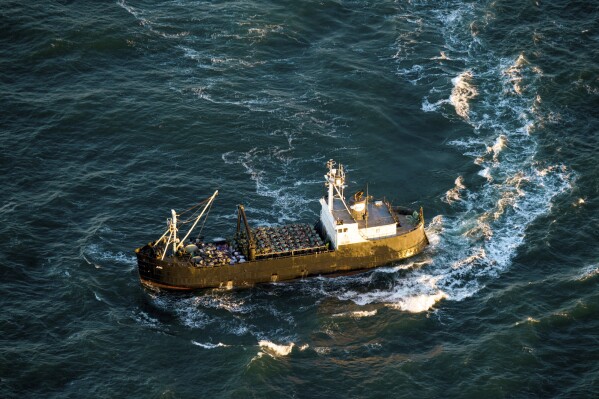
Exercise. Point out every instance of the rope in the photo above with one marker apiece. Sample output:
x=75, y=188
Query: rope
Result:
x=193, y=207
x=204, y=222
x=193, y=216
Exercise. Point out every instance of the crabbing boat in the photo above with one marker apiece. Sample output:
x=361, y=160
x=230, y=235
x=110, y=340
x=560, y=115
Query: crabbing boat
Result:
x=353, y=235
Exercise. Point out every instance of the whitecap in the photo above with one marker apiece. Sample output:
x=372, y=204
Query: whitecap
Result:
x=528, y=320
x=357, y=314
x=322, y=350
x=478, y=255
x=275, y=350
x=579, y=202
x=486, y=173
x=147, y=23
x=442, y=56
x=515, y=73
x=209, y=345
x=463, y=91
x=454, y=194
x=303, y=347
x=427, y=106
x=145, y=319
x=418, y=303
x=588, y=273
x=497, y=147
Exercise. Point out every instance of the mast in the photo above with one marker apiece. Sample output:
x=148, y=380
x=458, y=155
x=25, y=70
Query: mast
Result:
x=172, y=233
x=330, y=179
x=251, y=242
x=173, y=229
x=335, y=180
x=366, y=211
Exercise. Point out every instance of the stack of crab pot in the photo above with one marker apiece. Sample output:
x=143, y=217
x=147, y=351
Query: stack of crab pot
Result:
x=286, y=239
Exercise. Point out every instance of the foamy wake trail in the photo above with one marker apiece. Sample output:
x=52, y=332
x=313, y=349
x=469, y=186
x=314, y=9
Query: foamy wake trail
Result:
x=96, y=254
x=477, y=241
x=415, y=293
x=264, y=166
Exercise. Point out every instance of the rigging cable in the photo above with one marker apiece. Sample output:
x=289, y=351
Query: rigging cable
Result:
x=193, y=216
x=204, y=222
x=193, y=207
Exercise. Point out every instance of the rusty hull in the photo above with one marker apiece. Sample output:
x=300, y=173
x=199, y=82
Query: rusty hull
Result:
x=176, y=274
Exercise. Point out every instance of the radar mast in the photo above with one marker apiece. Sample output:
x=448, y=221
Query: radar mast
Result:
x=335, y=180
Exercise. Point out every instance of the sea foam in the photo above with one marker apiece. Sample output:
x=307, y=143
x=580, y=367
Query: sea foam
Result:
x=463, y=91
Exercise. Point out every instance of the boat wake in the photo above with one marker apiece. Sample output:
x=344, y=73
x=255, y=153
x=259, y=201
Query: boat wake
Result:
x=288, y=203
x=97, y=256
x=496, y=97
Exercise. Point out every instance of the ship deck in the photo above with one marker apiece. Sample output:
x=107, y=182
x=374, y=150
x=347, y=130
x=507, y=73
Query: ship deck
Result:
x=404, y=225
x=378, y=215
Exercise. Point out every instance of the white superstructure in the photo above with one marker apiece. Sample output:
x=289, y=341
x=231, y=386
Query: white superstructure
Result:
x=357, y=223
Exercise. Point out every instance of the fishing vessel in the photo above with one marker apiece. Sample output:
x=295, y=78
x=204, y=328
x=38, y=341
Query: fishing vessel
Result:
x=350, y=235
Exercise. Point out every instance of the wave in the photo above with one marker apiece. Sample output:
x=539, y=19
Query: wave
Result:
x=147, y=23
x=289, y=203
x=323, y=350
x=209, y=345
x=357, y=314
x=463, y=91
x=588, y=273
x=528, y=320
x=453, y=194
x=98, y=255
x=228, y=313
x=145, y=319
x=407, y=293
x=275, y=350
x=418, y=303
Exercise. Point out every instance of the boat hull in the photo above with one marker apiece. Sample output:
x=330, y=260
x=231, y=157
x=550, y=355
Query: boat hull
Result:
x=175, y=274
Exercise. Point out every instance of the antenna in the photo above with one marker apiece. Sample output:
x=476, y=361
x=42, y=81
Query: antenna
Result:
x=174, y=229
x=366, y=210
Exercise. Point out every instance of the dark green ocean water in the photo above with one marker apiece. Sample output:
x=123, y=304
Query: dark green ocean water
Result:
x=483, y=112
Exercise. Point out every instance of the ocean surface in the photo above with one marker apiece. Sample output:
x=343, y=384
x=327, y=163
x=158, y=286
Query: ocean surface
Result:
x=486, y=113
